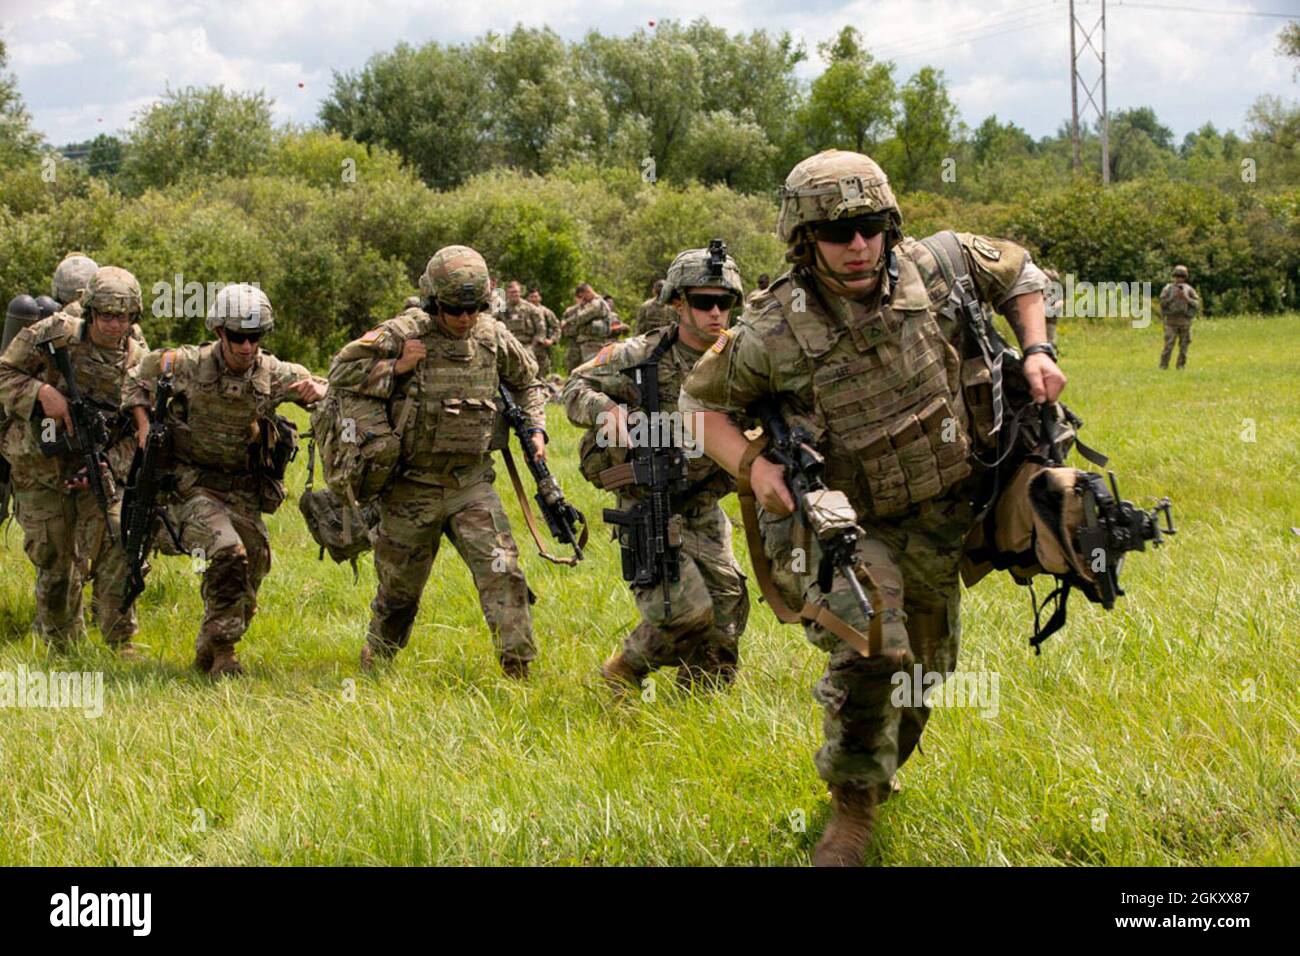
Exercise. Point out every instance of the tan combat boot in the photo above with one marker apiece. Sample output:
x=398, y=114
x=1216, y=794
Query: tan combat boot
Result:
x=224, y=662
x=621, y=676
x=844, y=841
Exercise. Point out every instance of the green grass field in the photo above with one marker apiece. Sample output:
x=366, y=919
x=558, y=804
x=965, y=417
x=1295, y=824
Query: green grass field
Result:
x=1161, y=733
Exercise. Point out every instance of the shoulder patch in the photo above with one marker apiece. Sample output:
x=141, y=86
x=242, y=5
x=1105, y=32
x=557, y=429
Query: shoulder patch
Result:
x=371, y=336
x=724, y=339
x=604, y=355
x=985, y=248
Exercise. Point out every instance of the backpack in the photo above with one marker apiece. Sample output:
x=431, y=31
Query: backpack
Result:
x=345, y=530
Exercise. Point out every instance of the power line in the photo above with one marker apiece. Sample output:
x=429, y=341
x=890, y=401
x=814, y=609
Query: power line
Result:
x=1031, y=25
x=1212, y=10
x=903, y=47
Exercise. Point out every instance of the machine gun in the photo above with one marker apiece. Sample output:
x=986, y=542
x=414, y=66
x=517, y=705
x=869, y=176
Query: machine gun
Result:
x=561, y=517
x=141, y=512
x=649, y=533
x=91, y=435
x=828, y=513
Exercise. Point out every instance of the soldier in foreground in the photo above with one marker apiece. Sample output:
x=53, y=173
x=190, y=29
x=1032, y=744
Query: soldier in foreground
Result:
x=68, y=462
x=435, y=371
x=858, y=344
x=1179, y=305
x=695, y=622
x=225, y=439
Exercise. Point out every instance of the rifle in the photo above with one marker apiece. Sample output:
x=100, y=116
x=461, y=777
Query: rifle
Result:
x=649, y=535
x=561, y=517
x=828, y=513
x=140, y=510
x=91, y=436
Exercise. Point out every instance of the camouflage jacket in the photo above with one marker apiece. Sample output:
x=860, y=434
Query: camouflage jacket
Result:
x=881, y=384
x=588, y=322
x=451, y=395
x=26, y=366
x=551, y=322
x=216, y=416
x=1178, y=300
x=524, y=320
x=651, y=314
x=594, y=385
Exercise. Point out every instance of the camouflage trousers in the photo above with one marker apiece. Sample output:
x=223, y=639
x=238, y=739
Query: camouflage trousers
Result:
x=914, y=561
x=64, y=537
x=709, y=601
x=225, y=535
x=413, y=519
x=582, y=352
x=1180, y=331
x=543, y=356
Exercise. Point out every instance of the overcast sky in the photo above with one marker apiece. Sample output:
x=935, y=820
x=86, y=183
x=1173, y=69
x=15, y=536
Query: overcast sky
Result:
x=85, y=67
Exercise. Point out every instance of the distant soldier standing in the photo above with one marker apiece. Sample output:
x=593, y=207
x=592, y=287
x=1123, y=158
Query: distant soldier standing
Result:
x=523, y=319
x=653, y=314
x=221, y=421
x=1179, y=305
x=709, y=603
x=437, y=370
x=586, y=325
x=65, y=532
x=542, y=349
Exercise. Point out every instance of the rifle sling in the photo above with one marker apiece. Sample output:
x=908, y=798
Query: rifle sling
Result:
x=868, y=645
x=531, y=520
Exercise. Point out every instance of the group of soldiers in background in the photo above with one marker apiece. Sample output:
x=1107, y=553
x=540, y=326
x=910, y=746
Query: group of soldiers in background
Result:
x=853, y=345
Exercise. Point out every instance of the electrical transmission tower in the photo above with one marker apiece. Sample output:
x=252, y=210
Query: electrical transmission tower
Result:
x=1077, y=82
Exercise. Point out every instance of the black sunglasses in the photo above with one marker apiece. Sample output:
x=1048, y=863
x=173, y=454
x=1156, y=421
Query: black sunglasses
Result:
x=239, y=338
x=843, y=230
x=457, y=310
x=705, y=301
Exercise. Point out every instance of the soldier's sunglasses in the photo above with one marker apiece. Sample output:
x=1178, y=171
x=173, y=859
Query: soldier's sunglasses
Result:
x=239, y=338
x=705, y=301
x=456, y=310
x=843, y=230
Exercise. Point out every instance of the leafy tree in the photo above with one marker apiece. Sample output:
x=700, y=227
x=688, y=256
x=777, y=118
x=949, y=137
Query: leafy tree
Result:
x=18, y=141
x=924, y=129
x=852, y=103
x=101, y=156
x=722, y=147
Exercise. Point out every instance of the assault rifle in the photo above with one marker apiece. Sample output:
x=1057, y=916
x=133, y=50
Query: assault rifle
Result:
x=828, y=513
x=141, y=512
x=561, y=517
x=90, y=438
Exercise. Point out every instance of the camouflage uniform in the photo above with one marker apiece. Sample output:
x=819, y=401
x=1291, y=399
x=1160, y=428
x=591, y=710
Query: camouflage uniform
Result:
x=64, y=531
x=710, y=604
x=444, y=483
x=875, y=381
x=587, y=326
x=653, y=314
x=215, y=418
x=551, y=331
x=1179, y=305
x=527, y=323
x=1054, y=302
x=69, y=282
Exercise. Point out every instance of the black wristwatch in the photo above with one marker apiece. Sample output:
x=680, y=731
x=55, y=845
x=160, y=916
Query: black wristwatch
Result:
x=1047, y=348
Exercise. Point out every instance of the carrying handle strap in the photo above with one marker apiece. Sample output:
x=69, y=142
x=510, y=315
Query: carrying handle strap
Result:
x=531, y=520
x=869, y=644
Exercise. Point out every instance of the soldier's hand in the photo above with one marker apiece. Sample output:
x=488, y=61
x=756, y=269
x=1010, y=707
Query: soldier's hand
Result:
x=142, y=434
x=539, y=446
x=413, y=353
x=767, y=478
x=1046, y=380
x=56, y=406
x=613, y=431
x=309, y=390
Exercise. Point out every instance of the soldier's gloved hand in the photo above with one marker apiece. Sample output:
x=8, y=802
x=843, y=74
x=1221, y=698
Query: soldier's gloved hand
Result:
x=55, y=406
x=1046, y=380
x=308, y=390
x=767, y=478
x=413, y=353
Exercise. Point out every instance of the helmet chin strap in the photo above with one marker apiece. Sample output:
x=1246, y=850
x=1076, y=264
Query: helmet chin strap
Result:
x=835, y=280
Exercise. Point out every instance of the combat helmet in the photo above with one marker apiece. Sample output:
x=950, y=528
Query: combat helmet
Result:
x=834, y=184
x=47, y=305
x=71, y=276
x=1180, y=272
x=456, y=275
x=22, y=312
x=112, y=289
x=702, y=267
x=241, y=308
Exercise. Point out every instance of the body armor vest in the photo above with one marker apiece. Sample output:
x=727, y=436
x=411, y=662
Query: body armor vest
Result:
x=520, y=322
x=99, y=377
x=220, y=410
x=887, y=396
x=455, y=394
